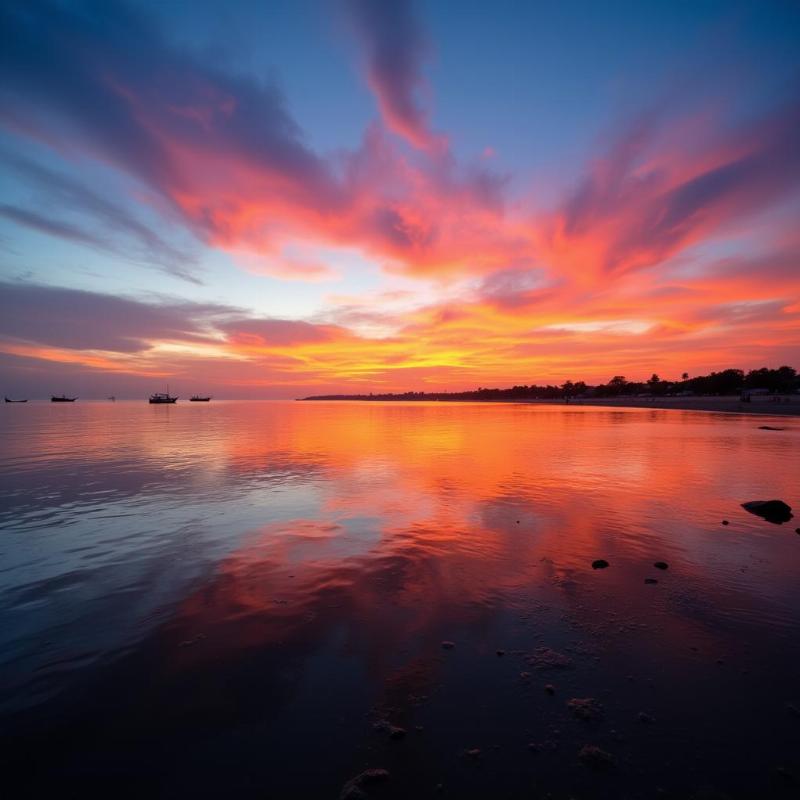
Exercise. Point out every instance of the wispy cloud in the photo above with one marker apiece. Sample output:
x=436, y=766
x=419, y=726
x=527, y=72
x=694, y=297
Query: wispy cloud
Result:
x=395, y=47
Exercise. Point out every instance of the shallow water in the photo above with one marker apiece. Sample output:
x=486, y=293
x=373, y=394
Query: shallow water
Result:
x=224, y=599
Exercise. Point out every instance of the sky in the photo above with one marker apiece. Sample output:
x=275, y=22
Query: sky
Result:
x=276, y=198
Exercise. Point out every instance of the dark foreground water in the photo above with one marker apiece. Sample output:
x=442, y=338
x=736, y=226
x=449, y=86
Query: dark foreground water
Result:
x=248, y=599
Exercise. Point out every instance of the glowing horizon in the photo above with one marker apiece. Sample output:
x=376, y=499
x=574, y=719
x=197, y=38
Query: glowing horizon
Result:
x=360, y=196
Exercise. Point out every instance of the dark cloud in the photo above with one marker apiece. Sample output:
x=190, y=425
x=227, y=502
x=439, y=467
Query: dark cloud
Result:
x=80, y=320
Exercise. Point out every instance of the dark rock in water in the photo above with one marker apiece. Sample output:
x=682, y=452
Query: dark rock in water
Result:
x=645, y=718
x=599, y=563
x=650, y=580
x=594, y=757
x=550, y=689
x=354, y=788
x=797, y=530
x=725, y=522
x=793, y=710
x=585, y=708
x=474, y=753
x=775, y=511
x=501, y=652
x=661, y=565
x=448, y=645
x=769, y=428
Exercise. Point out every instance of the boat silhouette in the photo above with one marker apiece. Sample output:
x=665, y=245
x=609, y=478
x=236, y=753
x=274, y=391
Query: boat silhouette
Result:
x=162, y=397
x=196, y=398
x=9, y=400
x=62, y=399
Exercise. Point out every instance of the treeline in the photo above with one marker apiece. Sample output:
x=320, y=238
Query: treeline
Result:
x=783, y=380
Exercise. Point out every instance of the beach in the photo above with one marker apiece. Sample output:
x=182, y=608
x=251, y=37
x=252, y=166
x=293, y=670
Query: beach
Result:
x=786, y=405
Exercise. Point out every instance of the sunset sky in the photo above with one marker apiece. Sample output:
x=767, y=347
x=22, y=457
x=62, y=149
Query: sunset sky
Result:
x=274, y=198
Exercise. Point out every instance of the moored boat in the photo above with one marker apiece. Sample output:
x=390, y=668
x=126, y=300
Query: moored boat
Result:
x=196, y=398
x=162, y=397
x=62, y=399
x=9, y=400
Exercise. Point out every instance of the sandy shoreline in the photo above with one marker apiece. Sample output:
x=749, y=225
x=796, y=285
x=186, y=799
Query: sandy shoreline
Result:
x=760, y=406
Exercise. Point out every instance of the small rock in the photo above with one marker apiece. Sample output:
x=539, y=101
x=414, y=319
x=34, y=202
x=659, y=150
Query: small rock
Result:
x=650, y=580
x=393, y=731
x=793, y=710
x=645, y=718
x=596, y=758
x=534, y=747
x=353, y=790
x=585, y=708
x=545, y=658
x=550, y=689
x=725, y=522
x=599, y=563
x=474, y=753
x=768, y=428
x=661, y=565
x=525, y=676
x=501, y=652
x=448, y=645
x=797, y=530
x=775, y=511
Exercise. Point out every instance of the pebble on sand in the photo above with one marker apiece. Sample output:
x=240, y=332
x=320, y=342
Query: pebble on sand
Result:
x=599, y=563
x=661, y=565
x=651, y=580
x=353, y=789
x=595, y=757
x=725, y=522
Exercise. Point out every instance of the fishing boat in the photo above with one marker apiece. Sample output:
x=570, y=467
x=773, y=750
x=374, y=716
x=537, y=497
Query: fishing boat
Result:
x=162, y=397
x=9, y=400
x=62, y=399
x=195, y=398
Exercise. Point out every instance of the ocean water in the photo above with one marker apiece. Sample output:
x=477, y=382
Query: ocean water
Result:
x=248, y=599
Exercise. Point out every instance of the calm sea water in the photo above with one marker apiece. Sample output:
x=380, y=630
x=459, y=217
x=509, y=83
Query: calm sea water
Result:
x=241, y=599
